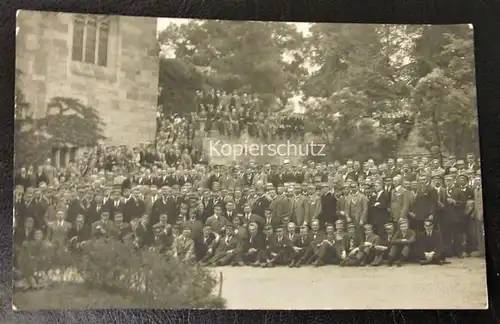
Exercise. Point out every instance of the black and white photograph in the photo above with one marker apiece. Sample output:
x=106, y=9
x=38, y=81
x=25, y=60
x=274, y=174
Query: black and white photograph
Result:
x=216, y=164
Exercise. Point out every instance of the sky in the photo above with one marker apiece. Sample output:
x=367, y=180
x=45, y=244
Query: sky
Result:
x=164, y=22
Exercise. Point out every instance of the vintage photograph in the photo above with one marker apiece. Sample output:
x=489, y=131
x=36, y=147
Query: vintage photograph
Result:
x=180, y=163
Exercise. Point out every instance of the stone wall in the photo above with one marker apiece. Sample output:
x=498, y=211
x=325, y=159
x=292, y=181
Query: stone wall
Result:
x=124, y=93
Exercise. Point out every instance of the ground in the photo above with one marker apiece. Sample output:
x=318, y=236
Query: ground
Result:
x=461, y=284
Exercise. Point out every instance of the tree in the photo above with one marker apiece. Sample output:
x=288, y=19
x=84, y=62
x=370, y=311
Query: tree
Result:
x=178, y=82
x=257, y=57
x=68, y=122
x=362, y=111
x=445, y=93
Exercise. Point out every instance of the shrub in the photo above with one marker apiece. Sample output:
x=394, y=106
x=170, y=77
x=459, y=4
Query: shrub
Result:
x=153, y=280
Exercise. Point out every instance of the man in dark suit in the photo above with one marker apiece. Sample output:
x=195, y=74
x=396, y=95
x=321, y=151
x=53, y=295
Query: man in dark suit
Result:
x=328, y=208
x=166, y=205
x=278, y=250
x=76, y=206
x=206, y=245
x=239, y=201
x=94, y=211
x=353, y=247
x=326, y=252
x=429, y=245
x=378, y=208
x=251, y=246
x=26, y=233
x=22, y=178
x=144, y=232
x=226, y=249
x=300, y=247
x=423, y=206
x=79, y=233
x=122, y=228
x=129, y=206
x=249, y=217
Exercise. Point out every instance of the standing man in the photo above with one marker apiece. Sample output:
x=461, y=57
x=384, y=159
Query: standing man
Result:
x=328, y=207
x=423, y=205
x=378, y=208
x=356, y=207
x=478, y=221
x=400, y=200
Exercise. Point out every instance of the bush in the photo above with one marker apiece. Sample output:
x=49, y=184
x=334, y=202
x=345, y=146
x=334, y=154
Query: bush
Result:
x=153, y=280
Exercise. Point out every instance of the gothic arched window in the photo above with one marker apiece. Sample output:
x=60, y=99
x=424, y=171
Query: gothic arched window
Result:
x=90, y=39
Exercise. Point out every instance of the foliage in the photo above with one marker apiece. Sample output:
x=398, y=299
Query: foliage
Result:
x=69, y=121
x=358, y=108
x=445, y=93
x=243, y=56
x=81, y=297
x=151, y=280
x=178, y=81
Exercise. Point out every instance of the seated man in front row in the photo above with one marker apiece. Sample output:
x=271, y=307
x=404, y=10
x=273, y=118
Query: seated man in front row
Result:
x=401, y=244
x=353, y=247
x=372, y=250
x=226, y=250
x=326, y=253
x=278, y=249
x=250, y=248
x=300, y=248
x=183, y=247
x=430, y=246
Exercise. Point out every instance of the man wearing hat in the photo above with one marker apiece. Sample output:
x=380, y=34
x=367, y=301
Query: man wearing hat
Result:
x=402, y=244
x=464, y=205
x=471, y=162
x=429, y=245
x=353, y=254
x=460, y=166
x=226, y=248
x=385, y=244
x=478, y=220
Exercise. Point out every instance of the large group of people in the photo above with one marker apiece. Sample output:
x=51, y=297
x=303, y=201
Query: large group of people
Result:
x=350, y=214
x=232, y=115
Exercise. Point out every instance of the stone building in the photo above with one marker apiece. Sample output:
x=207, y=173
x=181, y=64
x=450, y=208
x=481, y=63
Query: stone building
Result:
x=106, y=63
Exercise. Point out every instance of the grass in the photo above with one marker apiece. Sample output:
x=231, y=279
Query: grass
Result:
x=73, y=296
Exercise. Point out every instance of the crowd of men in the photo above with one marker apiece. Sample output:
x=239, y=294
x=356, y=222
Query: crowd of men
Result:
x=350, y=214
x=232, y=115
